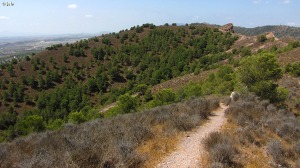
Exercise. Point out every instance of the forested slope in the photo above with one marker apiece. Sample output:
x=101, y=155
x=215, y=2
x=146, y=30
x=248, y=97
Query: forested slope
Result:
x=55, y=86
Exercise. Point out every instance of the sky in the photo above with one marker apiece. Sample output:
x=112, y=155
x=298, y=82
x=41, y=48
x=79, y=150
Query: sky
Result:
x=51, y=17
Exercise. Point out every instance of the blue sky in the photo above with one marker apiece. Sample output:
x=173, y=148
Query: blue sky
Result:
x=93, y=16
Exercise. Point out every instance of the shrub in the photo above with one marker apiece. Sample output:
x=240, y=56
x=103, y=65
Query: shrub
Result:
x=76, y=117
x=275, y=149
x=127, y=103
x=245, y=52
x=27, y=58
x=262, y=38
x=193, y=90
x=296, y=147
x=220, y=148
x=288, y=130
x=14, y=61
x=30, y=123
x=165, y=96
x=56, y=124
x=259, y=74
x=293, y=68
x=185, y=122
x=142, y=88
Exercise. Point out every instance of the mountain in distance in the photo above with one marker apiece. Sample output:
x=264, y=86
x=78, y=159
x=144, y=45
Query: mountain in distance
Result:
x=279, y=31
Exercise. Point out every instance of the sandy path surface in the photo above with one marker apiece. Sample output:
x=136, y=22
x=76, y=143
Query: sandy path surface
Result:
x=190, y=148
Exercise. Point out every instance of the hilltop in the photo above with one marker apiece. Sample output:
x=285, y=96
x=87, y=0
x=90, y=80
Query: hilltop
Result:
x=280, y=31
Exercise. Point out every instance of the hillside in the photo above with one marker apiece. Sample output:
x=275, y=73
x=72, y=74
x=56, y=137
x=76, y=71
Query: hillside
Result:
x=279, y=31
x=151, y=77
x=108, y=142
x=65, y=79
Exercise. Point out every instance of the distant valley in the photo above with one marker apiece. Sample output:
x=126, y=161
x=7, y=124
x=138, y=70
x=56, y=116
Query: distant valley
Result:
x=20, y=46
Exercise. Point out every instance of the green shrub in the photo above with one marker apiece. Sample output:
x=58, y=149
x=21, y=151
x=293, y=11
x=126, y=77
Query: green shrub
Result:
x=165, y=96
x=127, y=103
x=7, y=119
x=193, y=90
x=262, y=38
x=293, y=69
x=56, y=124
x=245, y=51
x=76, y=117
x=30, y=123
x=142, y=88
x=259, y=73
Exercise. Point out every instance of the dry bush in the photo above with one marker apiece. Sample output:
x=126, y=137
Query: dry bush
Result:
x=275, y=149
x=257, y=121
x=216, y=165
x=103, y=142
x=296, y=147
x=220, y=148
x=247, y=135
x=213, y=103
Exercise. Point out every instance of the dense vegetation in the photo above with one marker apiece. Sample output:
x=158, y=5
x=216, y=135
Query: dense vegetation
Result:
x=258, y=73
x=120, y=63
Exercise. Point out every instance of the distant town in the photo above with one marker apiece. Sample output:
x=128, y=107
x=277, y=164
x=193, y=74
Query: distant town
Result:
x=14, y=47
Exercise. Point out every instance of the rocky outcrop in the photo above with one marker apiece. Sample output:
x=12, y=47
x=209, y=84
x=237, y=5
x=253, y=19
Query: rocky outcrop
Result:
x=270, y=35
x=227, y=28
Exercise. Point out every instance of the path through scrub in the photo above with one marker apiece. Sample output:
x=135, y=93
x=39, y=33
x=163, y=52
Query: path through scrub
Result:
x=190, y=148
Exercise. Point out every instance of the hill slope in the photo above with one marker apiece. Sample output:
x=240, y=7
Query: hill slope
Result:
x=65, y=85
x=64, y=79
x=279, y=31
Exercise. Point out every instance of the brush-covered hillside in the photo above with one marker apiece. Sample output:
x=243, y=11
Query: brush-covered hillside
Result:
x=280, y=31
x=124, y=99
x=50, y=86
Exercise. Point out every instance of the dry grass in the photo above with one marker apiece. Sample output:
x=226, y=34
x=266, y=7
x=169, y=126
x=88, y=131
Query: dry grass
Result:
x=124, y=141
x=159, y=147
x=179, y=82
x=289, y=57
x=254, y=157
x=254, y=45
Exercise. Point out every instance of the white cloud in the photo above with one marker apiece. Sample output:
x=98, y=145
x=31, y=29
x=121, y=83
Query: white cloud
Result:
x=256, y=1
x=286, y=1
x=88, y=16
x=268, y=1
x=3, y=17
x=72, y=6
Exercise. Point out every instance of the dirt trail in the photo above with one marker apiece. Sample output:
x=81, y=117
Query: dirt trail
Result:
x=190, y=148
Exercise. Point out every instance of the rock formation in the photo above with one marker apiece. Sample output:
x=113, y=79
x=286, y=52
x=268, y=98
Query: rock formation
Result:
x=227, y=28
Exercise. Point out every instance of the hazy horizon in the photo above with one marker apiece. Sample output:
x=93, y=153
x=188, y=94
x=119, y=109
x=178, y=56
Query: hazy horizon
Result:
x=92, y=17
